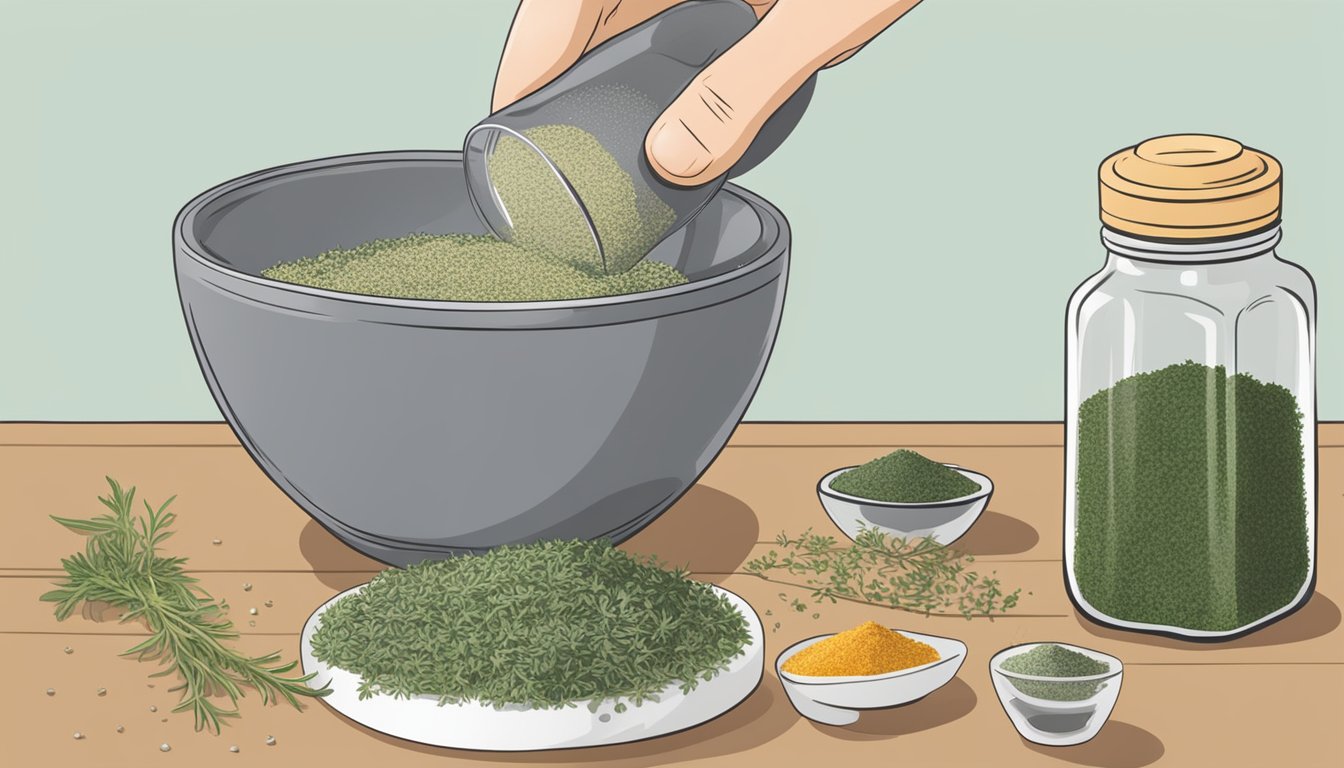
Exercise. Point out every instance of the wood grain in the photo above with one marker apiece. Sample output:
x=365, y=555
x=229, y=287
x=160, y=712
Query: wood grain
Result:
x=1271, y=697
x=1185, y=715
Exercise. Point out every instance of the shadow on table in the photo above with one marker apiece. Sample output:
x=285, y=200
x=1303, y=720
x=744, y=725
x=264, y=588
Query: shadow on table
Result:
x=333, y=560
x=707, y=530
x=998, y=534
x=1318, y=617
x=951, y=702
x=1118, y=745
x=760, y=718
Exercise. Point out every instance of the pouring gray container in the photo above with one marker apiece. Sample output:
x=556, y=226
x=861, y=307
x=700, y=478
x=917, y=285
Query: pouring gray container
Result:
x=415, y=429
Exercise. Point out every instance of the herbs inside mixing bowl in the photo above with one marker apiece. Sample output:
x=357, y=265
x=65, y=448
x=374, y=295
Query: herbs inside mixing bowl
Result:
x=551, y=254
x=545, y=625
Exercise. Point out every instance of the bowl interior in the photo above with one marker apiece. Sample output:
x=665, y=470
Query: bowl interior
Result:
x=986, y=485
x=284, y=214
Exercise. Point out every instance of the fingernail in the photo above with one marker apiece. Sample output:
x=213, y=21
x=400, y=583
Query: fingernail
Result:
x=675, y=150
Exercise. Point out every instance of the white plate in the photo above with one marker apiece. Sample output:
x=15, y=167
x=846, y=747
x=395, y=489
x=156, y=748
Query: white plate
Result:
x=471, y=725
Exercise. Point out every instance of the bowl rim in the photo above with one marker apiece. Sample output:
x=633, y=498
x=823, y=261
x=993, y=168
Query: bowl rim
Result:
x=787, y=653
x=986, y=488
x=773, y=241
x=1117, y=666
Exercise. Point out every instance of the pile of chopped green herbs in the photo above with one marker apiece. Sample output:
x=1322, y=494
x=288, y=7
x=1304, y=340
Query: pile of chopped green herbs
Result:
x=544, y=625
x=915, y=575
x=904, y=477
x=121, y=566
x=1050, y=660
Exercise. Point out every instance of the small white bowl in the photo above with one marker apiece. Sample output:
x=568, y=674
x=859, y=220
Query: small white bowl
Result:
x=944, y=521
x=1052, y=722
x=835, y=700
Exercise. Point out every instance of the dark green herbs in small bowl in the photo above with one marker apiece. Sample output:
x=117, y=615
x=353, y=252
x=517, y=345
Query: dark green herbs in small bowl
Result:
x=904, y=477
x=543, y=625
x=905, y=495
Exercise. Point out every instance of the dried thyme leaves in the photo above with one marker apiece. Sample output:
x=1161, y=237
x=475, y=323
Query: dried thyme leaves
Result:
x=543, y=625
x=121, y=566
x=916, y=575
x=1191, y=505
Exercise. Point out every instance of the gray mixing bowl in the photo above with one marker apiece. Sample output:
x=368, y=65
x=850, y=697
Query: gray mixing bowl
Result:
x=423, y=429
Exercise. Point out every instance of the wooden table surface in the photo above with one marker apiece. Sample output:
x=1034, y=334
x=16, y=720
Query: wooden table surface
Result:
x=1275, y=697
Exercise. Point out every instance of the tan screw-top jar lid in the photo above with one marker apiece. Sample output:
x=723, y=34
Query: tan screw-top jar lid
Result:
x=1190, y=186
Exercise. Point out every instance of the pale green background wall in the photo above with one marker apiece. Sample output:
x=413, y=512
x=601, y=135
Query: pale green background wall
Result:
x=941, y=188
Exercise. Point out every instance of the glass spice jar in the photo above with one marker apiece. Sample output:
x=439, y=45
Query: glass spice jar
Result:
x=1190, y=460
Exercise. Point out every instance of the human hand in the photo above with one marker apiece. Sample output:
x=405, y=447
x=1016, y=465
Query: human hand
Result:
x=713, y=122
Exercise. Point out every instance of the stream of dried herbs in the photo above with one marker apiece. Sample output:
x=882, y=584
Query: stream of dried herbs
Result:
x=551, y=254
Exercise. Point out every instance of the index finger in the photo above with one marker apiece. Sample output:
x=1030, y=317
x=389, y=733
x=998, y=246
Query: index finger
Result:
x=548, y=36
x=545, y=39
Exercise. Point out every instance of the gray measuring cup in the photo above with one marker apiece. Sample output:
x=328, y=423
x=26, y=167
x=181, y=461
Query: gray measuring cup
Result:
x=550, y=170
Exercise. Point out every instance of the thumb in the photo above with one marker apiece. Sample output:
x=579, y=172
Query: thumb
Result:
x=706, y=130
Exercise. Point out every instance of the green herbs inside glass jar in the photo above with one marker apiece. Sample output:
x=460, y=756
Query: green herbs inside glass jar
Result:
x=1190, y=461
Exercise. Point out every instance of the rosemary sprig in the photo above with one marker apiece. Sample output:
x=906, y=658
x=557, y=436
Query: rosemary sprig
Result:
x=917, y=575
x=121, y=566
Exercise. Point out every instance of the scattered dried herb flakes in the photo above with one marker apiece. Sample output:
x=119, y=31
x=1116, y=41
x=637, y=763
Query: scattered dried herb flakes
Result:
x=544, y=625
x=916, y=575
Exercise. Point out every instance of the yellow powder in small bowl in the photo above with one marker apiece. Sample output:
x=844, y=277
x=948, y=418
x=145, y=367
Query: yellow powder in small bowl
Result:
x=868, y=649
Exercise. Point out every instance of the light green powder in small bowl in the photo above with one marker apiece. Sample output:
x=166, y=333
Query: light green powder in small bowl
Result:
x=1050, y=660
